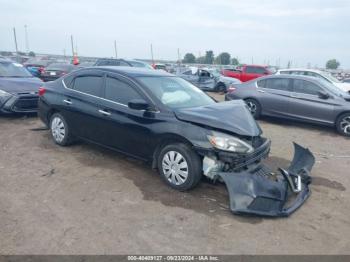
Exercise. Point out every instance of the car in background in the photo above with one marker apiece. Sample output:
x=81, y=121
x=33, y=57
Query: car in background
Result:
x=295, y=97
x=84, y=65
x=164, y=120
x=158, y=66
x=18, y=89
x=56, y=70
x=316, y=73
x=347, y=80
x=36, y=67
x=137, y=63
x=208, y=79
x=247, y=72
x=111, y=62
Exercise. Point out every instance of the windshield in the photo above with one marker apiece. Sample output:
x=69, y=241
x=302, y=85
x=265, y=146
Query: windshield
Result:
x=13, y=70
x=334, y=89
x=176, y=92
x=330, y=77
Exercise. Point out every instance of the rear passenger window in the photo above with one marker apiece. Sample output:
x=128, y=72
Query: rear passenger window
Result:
x=119, y=91
x=278, y=84
x=91, y=85
x=306, y=87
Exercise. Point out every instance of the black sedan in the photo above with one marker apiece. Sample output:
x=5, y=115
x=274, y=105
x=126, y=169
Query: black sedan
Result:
x=18, y=89
x=302, y=98
x=181, y=131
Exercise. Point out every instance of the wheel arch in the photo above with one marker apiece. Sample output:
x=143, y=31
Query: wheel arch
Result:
x=340, y=114
x=166, y=139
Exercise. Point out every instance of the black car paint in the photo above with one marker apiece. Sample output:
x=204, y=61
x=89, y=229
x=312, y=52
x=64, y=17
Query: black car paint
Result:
x=141, y=134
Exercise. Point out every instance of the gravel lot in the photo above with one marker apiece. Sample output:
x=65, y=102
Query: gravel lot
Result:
x=85, y=199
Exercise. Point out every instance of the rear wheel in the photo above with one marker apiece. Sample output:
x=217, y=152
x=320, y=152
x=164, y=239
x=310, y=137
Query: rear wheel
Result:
x=220, y=88
x=60, y=131
x=179, y=166
x=343, y=124
x=254, y=107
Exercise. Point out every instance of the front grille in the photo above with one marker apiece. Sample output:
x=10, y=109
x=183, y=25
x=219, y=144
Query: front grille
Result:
x=26, y=103
x=239, y=161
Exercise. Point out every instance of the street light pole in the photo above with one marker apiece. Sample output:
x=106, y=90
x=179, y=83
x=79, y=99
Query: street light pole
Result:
x=115, y=49
x=15, y=37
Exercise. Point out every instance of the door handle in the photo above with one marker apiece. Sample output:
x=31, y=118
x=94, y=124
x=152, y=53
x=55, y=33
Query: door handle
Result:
x=67, y=101
x=261, y=91
x=103, y=112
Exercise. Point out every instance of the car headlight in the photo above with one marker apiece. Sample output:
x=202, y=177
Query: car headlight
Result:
x=229, y=143
x=3, y=93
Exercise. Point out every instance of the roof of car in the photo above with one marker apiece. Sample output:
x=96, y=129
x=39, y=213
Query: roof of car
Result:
x=301, y=77
x=131, y=71
x=300, y=69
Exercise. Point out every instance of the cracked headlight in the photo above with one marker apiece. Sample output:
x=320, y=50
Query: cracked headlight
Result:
x=229, y=143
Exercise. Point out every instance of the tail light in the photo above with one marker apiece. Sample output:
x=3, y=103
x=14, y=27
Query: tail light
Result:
x=231, y=89
x=42, y=91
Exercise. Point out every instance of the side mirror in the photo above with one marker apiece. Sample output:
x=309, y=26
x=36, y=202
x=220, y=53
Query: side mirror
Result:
x=138, y=104
x=323, y=95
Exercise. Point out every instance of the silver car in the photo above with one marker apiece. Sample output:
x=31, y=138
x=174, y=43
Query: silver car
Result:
x=295, y=97
x=208, y=80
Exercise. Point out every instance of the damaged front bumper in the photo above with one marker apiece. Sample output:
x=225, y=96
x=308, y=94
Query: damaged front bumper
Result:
x=262, y=192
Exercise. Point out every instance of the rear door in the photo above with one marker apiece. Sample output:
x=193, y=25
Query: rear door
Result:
x=306, y=104
x=81, y=104
x=275, y=94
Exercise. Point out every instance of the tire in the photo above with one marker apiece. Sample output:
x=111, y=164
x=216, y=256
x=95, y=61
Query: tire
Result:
x=60, y=131
x=254, y=107
x=177, y=157
x=220, y=88
x=343, y=124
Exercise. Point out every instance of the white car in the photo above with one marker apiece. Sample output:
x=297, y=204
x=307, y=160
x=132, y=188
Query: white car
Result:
x=316, y=73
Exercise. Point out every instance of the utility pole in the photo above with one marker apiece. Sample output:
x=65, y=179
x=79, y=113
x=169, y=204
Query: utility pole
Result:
x=64, y=54
x=71, y=41
x=26, y=38
x=152, y=54
x=178, y=56
x=15, y=37
x=115, y=49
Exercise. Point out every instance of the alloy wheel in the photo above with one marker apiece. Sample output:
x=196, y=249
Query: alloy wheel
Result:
x=345, y=125
x=58, y=129
x=175, y=167
x=252, y=107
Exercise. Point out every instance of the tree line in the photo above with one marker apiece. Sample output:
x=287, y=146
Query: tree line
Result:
x=223, y=58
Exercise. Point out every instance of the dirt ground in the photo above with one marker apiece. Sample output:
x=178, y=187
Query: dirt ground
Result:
x=85, y=199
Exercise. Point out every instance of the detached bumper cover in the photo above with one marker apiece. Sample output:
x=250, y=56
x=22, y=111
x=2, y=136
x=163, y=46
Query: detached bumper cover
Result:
x=260, y=192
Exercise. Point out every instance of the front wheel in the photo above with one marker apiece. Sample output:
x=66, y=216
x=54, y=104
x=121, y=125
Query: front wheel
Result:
x=179, y=166
x=221, y=88
x=254, y=107
x=343, y=124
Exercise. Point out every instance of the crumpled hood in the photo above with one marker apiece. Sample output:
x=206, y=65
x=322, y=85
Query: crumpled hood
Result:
x=14, y=85
x=232, y=116
x=343, y=86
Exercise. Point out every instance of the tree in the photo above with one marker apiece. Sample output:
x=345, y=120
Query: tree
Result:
x=31, y=53
x=200, y=60
x=209, y=57
x=223, y=59
x=332, y=64
x=234, y=61
x=189, y=58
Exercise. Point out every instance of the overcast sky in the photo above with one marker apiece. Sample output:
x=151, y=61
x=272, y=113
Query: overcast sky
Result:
x=302, y=31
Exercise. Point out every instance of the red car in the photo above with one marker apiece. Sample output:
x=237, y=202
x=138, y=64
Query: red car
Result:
x=247, y=72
